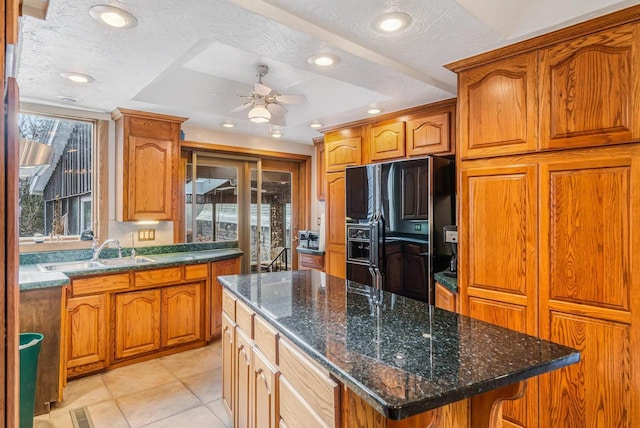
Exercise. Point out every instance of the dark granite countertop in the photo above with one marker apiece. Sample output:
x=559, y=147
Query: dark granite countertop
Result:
x=309, y=251
x=402, y=356
x=30, y=277
x=450, y=282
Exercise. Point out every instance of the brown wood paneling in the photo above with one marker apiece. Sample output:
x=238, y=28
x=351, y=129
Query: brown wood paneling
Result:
x=587, y=94
x=498, y=108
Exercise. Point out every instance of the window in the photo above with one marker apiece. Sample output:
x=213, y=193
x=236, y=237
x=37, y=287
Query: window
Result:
x=56, y=176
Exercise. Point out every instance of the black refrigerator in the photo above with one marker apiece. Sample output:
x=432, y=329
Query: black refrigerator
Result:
x=395, y=213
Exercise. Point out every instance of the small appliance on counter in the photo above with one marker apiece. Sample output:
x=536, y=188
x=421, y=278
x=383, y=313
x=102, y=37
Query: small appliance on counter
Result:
x=309, y=239
x=451, y=237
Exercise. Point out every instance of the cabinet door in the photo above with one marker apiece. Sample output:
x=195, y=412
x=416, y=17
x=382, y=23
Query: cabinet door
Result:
x=387, y=140
x=310, y=261
x=243, y=377
x=151, y=153
x=498, y=107
x=588, y=90
x=342, y=148
x=589, y=279
x=87, y=332
x=416, y=272
x=335, y=224
x=498, y=272
x=228, y=364
x=264, y=405
x=415, y=193
x=428, y=135
x=137, y=326
x=223, y=267
x=181, y=320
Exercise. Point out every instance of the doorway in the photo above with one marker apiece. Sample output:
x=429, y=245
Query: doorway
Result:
x=252, y=201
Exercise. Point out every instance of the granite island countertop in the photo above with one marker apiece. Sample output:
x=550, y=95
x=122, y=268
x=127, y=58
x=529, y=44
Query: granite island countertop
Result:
x=402, y=356
x=31, y=277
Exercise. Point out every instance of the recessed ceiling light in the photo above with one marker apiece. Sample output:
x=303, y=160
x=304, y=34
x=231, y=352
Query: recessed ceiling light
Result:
x=374, y=110
x=228, y=125
x=316, y=125
x=78, y=77
x=113, y=16
x=391, y=22
x=323, y=59
x=67, y=99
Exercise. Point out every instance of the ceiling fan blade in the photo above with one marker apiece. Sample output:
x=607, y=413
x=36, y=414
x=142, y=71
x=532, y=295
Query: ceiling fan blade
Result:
x=291, y=99
x=242, y=107
x=261, y=89
x=276, y=109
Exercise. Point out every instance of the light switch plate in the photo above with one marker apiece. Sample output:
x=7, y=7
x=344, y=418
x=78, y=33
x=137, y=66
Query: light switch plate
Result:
x=146, y=234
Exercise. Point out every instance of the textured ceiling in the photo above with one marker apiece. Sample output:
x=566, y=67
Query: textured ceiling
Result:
x=193, y=58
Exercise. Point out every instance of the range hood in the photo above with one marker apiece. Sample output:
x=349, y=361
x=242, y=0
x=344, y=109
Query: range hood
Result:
x=33, y=155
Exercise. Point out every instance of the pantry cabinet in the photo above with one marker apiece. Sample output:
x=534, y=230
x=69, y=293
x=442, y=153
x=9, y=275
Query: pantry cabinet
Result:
x=147, y=164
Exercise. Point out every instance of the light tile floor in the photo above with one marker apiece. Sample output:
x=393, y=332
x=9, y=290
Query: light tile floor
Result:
x=179, y=390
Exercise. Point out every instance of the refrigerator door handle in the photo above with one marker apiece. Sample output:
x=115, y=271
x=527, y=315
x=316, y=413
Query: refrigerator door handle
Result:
x=373, y=243
x=382, y=257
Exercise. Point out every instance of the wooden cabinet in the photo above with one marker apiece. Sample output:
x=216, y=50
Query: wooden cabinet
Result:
x=264, y=406
x=387, y=140
x=181, y=320
x=243, y=376
x=589, y=258
x=147, y=154
x=310, y=261
x=87, y=334
x=335, y=225
x=445, y=299
x=137, y=323
x=342, y=148
x=498, y=107
x=228, y=363
x=220, y=268
x=588, y=90
x=321, y=168
x=429, y=134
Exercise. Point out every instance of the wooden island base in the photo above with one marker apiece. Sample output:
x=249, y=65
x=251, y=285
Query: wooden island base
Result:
x=484, y=412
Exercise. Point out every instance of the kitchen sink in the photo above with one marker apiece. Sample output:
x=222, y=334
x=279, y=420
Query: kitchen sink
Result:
x=69, y=266
x=126, y=261
x=92, y=264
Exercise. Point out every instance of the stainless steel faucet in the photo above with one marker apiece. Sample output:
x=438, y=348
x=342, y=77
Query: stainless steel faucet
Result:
x=98, y=249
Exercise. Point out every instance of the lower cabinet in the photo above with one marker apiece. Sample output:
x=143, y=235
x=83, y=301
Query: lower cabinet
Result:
x=228, y=363
x=137, y=326
x=222, y=267
x=87, y=330
x=445, y=299
x=310, y=261
x=263, y=397
x=244, y=375
x=181, y=314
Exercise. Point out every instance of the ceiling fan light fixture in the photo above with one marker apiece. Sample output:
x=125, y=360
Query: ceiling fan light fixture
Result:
x=259, y=114
x=391, y=22
x=276, y=133
x=78, y=77
x=113, y=16
x=323, y=59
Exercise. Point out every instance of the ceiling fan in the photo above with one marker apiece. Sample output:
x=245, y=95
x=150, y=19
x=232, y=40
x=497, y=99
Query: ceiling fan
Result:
x=265, y=103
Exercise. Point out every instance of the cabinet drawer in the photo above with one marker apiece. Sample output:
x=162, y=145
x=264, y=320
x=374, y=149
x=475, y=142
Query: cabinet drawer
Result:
x=294, y=412
x=311, y=261
x=244, y=318
x=100, y=284
x=158, y=276
x=311, y=382
x=229, y=304
x=196, y=271
x=266, y=338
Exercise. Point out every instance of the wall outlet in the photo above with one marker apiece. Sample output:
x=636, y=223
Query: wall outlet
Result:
x=318, y=221
x=146, y=234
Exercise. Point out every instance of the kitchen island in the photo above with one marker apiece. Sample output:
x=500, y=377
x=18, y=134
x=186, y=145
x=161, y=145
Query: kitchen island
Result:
x=341, y=354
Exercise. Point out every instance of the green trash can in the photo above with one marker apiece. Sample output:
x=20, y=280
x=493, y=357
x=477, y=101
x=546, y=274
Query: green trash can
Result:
x=29, y=351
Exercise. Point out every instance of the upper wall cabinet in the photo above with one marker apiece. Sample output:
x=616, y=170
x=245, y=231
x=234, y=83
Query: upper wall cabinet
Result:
x=342, y=148
x=588, y=90
x=147, y=156
x=387, y=140
x=498, y=107
x=429, y=134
